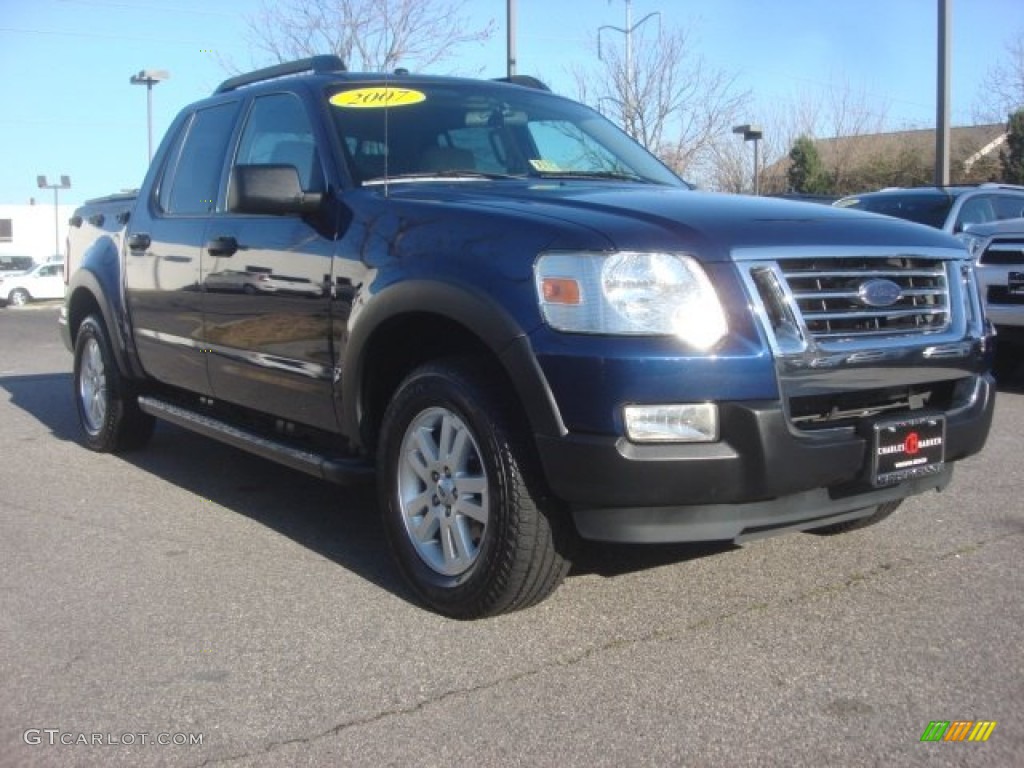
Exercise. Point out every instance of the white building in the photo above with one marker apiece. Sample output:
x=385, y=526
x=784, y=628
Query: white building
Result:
x=30, y=230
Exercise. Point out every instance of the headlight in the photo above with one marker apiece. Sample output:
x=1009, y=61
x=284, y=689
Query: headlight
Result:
x=630, y=293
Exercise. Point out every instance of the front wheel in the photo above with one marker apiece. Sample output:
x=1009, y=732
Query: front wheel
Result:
x=19, y=297
x=107, y=407
x=463, y=499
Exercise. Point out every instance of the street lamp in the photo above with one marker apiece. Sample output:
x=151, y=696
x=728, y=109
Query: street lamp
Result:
x=149, y=78
x=65, y=183
x=752, y=133
x=628, y=108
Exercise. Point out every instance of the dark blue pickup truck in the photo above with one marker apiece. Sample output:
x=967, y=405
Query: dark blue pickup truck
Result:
x=522, y=324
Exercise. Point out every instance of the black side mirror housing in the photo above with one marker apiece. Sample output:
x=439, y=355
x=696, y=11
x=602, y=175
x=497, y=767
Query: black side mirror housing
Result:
x=270, y=189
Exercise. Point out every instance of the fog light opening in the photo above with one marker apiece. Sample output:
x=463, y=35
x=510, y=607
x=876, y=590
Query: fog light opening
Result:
x=675, y=423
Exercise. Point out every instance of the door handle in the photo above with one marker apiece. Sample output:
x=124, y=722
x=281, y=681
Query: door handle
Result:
x=222, y=246
x=139, y=241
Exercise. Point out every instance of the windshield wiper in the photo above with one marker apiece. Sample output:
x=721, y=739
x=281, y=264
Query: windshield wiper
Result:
x=446, y=174
x=613, y=175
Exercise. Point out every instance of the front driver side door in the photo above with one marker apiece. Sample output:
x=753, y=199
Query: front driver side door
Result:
x=267, y=282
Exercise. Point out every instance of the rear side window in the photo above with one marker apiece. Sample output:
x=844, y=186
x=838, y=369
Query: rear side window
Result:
x=192, y=176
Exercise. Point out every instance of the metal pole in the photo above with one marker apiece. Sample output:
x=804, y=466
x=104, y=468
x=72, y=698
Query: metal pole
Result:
x=56, y=225
x=149, y=117
x=629, y=44
x=628, y=104
x=757, y=170
x=943, y=96
x=149, y=78
x=511, y=31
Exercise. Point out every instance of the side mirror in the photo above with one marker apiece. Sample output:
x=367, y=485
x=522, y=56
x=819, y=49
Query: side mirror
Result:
x=273, y=189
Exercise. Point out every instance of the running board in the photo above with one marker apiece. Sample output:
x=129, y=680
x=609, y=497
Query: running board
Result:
x=341, y=471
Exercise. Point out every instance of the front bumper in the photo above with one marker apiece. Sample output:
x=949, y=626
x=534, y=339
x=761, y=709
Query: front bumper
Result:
x=762, y=476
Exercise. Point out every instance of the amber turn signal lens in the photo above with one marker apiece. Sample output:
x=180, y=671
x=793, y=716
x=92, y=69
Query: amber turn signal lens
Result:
x=560, y=290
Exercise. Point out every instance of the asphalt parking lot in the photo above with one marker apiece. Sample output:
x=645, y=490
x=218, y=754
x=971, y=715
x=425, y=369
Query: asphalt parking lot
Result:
x=191, y=592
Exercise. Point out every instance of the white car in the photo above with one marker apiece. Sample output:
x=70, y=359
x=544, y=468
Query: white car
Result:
x=43, y=282
x=15, y=265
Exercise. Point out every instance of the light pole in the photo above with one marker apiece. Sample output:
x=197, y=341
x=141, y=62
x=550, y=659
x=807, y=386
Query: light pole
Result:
x=752, y=133
x=942, y=99
x=149, y=78
x=65, y=183
x=511, y=36
x=628, y=107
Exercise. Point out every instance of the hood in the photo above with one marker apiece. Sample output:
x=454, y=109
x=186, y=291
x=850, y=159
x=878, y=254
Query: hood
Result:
x=633, y=216
x=1013, y=227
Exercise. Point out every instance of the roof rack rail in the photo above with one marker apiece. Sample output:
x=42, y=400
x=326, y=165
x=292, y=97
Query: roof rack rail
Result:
x=1000, y=185
x=325, y=63
x=526, y=81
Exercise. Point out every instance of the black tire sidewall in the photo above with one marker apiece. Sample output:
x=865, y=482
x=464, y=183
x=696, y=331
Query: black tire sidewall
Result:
x=437, y=386
x=105, y=438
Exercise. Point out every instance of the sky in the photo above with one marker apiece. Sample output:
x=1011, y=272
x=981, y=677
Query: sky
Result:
x=69, y=109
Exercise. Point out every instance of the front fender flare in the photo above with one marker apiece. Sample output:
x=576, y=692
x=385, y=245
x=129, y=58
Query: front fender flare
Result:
x=484, y=318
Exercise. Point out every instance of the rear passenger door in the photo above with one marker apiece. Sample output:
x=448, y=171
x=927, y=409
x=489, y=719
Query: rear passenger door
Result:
x=267, y=280
x=162, y=262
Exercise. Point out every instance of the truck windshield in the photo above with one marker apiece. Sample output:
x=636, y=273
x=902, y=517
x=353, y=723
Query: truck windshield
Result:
x=420, y=131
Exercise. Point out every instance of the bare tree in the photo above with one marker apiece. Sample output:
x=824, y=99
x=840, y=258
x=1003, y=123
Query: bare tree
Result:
x=665, y=96
x=371, y=35
x=1003, y=85
x=835, y=117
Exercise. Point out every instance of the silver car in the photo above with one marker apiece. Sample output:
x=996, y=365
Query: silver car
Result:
x=998, y=250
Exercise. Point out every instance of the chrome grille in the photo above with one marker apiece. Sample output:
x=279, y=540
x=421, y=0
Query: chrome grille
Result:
x=1004, y=252
x=833, y=296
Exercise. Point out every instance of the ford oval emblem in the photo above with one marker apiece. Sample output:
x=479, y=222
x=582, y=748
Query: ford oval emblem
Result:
x=879, y=292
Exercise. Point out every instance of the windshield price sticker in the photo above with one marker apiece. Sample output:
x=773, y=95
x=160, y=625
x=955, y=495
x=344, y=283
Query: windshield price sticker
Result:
x=377, y=98
x=908, y=448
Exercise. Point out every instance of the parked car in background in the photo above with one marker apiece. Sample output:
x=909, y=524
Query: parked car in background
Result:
x=15, y=265
x=998, y=248
x=43, y=282
x=950, y=209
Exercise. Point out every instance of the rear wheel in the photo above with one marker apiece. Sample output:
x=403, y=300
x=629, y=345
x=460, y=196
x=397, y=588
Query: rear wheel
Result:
x=881, y=512
x=471, y=526
x=19, y=297
x=107, y=407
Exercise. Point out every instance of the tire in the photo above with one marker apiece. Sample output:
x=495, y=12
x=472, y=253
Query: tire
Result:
x=107, y=407
x=19, y=297
x=453, y=470
x=881, y=512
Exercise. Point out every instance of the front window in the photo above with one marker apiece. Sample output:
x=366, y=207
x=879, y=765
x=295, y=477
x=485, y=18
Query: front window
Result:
x=481, y=130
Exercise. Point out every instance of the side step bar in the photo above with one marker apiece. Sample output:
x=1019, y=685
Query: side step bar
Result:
x=341, y=471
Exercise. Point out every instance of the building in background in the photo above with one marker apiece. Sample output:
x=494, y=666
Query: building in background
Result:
x=29, y=230
x=868, y=162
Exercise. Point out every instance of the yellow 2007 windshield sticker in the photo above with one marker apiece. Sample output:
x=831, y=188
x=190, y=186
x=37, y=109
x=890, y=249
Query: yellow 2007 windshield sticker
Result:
x=376, y=98
x=545, y=166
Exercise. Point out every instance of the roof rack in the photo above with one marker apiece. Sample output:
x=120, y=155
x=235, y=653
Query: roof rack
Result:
x=527, y=81
x=318, y=64
x=998, y=185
